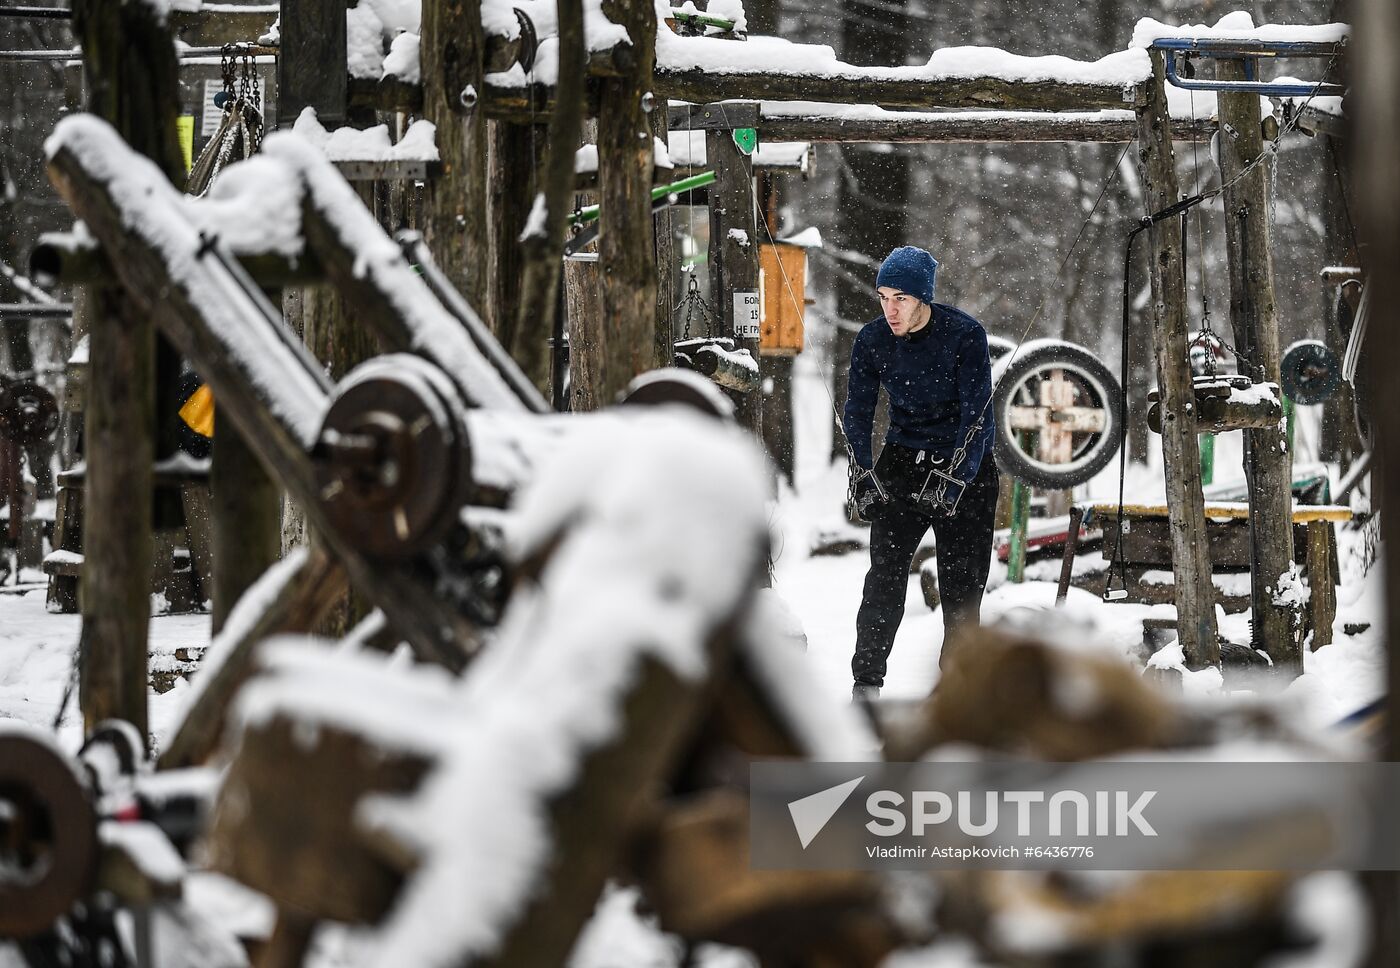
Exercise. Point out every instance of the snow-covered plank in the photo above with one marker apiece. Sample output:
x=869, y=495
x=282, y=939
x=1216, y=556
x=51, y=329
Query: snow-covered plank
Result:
x=687, y=150
x=1224, y=510
x=1239, y=25
x=703, y=70
x=292, y=596
x=347, y=144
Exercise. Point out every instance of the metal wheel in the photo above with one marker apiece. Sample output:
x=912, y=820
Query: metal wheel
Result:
x=393, y=458
x=48, y=834
x=1058, y=410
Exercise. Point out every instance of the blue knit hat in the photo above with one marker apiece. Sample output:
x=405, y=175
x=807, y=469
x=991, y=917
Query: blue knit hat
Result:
x=909, y=269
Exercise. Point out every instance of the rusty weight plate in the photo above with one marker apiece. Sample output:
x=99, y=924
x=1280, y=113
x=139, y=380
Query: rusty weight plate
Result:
x=392, y=459
x=48, y=837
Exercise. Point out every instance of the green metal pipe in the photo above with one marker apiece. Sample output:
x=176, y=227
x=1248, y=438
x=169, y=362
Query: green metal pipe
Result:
x=1020, y=519
x=587, y=214
x=703, y=18
x=1207, y=445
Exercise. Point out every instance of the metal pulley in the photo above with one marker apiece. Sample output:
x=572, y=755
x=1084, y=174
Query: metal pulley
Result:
x=48, y=834
x=28, y=412
x=1310, y=372
x=393, y=462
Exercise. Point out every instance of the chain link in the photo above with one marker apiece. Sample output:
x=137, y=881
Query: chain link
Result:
x=694, y=300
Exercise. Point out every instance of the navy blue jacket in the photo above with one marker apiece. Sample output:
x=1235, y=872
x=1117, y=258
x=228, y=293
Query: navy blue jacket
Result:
x=939, y=380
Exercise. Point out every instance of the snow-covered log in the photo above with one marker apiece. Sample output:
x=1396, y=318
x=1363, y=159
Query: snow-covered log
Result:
x=335, y=727
x=733, y=369
x=507, y=797
x=639, y=548
x=695, y=872
x=291, y=597
x=1216, y=415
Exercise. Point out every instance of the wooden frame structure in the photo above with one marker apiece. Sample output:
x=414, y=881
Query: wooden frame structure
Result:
x=455, y=63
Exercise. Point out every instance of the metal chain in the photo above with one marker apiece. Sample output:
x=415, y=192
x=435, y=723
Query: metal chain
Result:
x=227, y=67
x=694, y=300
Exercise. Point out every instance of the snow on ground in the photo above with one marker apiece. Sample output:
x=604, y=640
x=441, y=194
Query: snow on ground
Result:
x=36, y=663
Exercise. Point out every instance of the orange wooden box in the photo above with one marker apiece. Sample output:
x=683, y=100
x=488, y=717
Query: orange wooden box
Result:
x=783, y=299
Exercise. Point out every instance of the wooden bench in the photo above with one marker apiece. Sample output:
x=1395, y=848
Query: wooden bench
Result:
x=1146, y=549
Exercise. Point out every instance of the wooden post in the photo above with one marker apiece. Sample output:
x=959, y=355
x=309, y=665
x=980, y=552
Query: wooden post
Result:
x=587, y=354
x=119, y=418
x=539, y=298
x=130, y=72
x=1322, y=600
x=245, y=518
x=667, y=260
x=1377, y=74
x=775, y=369
x=453, y=51
x=311, y=71
x=511, y=155
x=1195, y=602
x=734, y=255
x=1254, y=317
x=625, y=164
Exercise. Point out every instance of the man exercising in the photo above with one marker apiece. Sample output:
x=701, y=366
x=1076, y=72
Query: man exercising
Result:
x=935, y=469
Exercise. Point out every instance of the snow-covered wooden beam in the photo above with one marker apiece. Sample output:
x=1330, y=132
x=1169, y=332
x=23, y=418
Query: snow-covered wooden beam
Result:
x=1325, y=119
x=896, y=92
x=504, y=99
x=706, y=69
x=388, y=294
x=703, y=70
x=967, y=127
x=76, y=259
x=266, y=382
x=291, y=597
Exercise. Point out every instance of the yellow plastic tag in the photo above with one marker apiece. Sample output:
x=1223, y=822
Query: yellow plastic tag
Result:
x=198, y=412
x=184, y=127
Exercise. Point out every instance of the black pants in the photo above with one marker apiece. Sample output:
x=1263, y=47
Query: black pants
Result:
x=964, y=552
